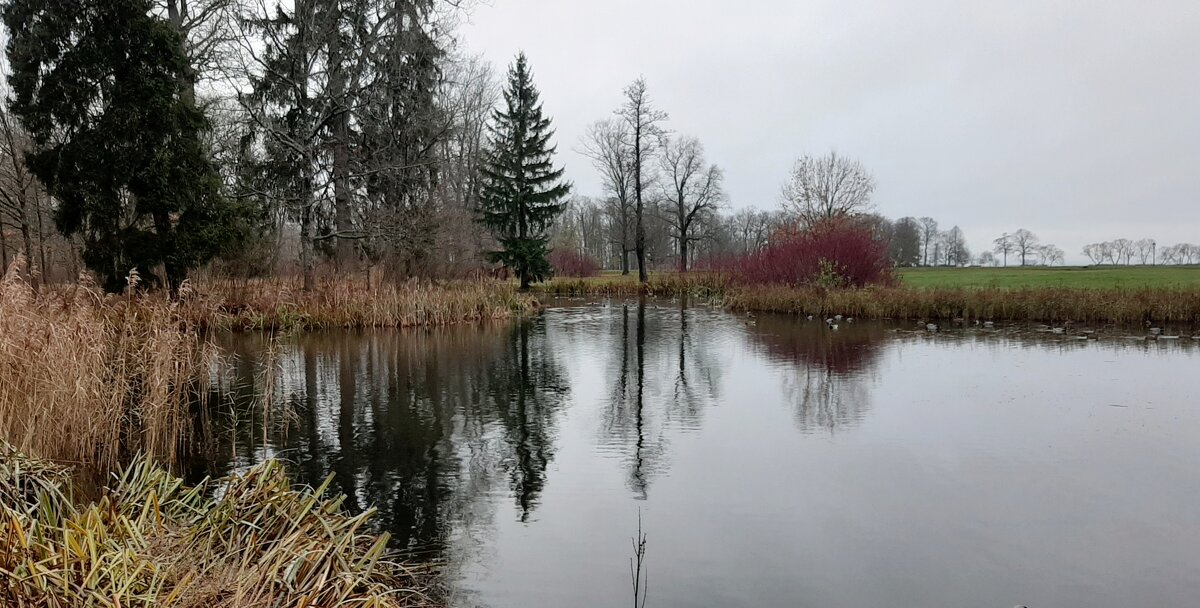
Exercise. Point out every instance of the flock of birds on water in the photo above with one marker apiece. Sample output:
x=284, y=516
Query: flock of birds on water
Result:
x=1154, y=333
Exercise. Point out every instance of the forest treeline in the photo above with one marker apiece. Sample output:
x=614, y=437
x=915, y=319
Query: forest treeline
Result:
x=259, y=139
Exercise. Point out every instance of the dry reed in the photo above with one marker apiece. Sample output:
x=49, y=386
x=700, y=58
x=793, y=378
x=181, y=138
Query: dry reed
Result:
x=1122, y=306
x=345, y=303
x=150, y=541
x=1045, y=304
x=85, y=378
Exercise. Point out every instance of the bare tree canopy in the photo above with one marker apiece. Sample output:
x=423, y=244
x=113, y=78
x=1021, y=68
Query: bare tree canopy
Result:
x=691, y=187
x=826, y=187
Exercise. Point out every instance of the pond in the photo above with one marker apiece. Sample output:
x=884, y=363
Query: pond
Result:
x=771, y=460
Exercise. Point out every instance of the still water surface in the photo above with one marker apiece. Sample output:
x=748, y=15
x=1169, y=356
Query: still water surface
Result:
x=774, y=462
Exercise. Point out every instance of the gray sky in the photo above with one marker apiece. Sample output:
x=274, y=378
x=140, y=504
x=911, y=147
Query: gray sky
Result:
x=1077, y=120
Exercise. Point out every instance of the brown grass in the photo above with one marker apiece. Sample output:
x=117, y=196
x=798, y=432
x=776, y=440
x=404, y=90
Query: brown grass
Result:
x=150, y=541
x=345, y=303
x=1167, y=305
x=86, y=378
x=1046, y=304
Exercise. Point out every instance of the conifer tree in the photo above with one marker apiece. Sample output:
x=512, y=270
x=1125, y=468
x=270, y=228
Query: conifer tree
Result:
x=522, y=189
x=100, y=85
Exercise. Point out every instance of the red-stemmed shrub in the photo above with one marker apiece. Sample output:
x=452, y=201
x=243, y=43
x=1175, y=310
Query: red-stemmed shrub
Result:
x=571, y=263
x=835, y=253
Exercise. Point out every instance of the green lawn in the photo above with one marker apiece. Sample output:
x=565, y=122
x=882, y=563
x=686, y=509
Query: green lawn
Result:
x=1066, y=276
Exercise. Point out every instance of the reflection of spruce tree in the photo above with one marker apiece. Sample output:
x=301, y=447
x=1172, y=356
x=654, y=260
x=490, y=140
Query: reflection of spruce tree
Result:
x=531, y=391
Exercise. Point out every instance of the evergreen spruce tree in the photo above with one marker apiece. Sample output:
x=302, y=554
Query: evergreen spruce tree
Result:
x=522, y=189
x=101, y=87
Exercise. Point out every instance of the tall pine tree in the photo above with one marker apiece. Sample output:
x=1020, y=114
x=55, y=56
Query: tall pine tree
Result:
x=522, y=189
x=102, y=87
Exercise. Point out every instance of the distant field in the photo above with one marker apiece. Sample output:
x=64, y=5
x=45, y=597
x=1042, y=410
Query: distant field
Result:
x=1067, y=276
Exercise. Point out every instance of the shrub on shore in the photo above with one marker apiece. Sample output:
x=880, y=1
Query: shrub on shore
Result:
x=833, y=254
x=571, y=263
x=150, y=541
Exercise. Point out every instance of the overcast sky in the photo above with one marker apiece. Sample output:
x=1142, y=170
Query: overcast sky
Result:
x=1077, y=120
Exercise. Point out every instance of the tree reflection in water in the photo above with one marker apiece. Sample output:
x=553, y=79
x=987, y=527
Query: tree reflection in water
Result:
x=422, y=424
x=663, y=375
x=832, y=367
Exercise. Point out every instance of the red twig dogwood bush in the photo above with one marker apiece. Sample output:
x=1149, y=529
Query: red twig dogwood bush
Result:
x=833, y=253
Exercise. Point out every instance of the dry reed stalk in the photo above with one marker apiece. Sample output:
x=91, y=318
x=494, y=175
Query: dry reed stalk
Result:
x=85, y=378
x=346, y=303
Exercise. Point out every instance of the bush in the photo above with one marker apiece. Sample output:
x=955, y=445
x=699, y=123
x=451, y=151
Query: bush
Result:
x=836, y=253
x=570, y=263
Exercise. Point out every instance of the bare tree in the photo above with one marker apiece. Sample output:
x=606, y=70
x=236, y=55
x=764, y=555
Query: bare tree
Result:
x=929, y=235
x=956, y=251
x=1004, y=246
x=645, y=135
x=1024, y=244
x=607, y=144
x=1146, y=250
x=827, y=187
x=1123, y=250
x=20, y=195
x=691, y=188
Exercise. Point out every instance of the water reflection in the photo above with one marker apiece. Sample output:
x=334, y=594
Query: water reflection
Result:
x=525, y=450
x=830, y=369
x=420, y=424
x=664, y=375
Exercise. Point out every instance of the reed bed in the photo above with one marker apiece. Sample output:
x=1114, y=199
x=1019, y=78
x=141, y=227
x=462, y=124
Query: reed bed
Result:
x=1044, y=304
x=86, y=378
x=345, y=303
x=701, y=284
x=1121, y=306
x=151, y=541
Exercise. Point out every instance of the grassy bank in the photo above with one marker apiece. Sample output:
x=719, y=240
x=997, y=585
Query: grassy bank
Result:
x=282, y=305
x=1047, y=304
x=90, y=378
x=150, y=541
x=1076, y=277
x=1165, y=303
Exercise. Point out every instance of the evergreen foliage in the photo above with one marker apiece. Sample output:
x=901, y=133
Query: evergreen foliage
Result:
x=522, y=189
x=101, y=87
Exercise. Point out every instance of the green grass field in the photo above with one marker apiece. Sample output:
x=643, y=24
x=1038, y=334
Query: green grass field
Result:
x=1066, y=276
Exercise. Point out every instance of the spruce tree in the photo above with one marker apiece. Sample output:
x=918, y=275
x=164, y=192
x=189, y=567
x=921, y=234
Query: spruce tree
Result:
x=100, y=86
x=522, y=189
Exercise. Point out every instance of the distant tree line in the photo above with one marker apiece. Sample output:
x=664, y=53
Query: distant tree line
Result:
x=1144, y=251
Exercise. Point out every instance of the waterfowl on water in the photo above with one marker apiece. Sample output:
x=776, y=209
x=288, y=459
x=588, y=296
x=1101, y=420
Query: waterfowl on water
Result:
x=931, y=327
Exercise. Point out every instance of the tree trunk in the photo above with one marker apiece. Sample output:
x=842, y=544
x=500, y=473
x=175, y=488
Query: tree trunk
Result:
x=306, y=247
x=683, y=255
x=37, y=208
x=343, y=215
x=639, y=239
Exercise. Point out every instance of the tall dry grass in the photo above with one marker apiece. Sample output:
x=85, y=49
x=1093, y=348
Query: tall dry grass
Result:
x=86, y=378
x=1046, y=304
x=345, y=303
x=151, y=542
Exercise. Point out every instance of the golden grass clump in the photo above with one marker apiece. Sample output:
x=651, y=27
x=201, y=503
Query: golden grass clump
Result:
x=672, y=284
x=85, y=377
x=151, y=541
x=345, y=303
